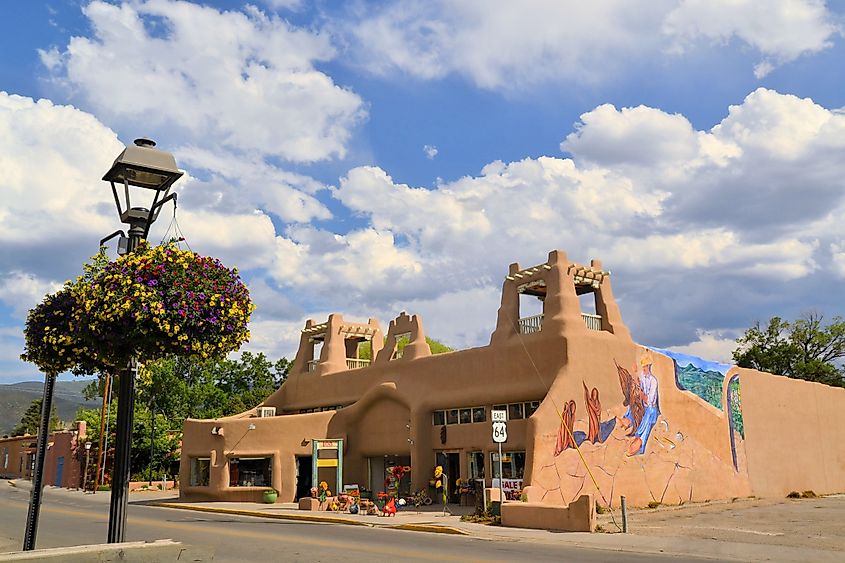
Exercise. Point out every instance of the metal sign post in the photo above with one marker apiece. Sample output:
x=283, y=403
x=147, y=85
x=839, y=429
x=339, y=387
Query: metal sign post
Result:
x=500, y=434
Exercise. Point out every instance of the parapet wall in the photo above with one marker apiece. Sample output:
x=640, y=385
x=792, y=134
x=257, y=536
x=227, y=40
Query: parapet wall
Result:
x=795, y=434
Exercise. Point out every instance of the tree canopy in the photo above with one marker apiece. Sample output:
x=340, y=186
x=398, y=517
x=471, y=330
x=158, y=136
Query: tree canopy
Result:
x=176, y=388
x=807, y=348
x=31, y=420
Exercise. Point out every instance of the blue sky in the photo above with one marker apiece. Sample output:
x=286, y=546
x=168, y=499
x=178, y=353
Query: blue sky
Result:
x=373, y=157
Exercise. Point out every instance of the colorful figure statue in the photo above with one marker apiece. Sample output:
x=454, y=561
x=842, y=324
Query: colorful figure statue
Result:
x=441, y=482
x=647, y=395
x=565, y=439
x=594, y=412
x=324, y=492
x=389, y=508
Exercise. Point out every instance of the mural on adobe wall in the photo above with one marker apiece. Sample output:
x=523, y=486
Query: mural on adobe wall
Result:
x=706, y=379
x=632, y=447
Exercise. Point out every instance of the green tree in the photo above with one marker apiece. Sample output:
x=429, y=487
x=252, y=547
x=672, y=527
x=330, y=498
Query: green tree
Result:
x=31, y=420
x=365, y=351
x=805, y=349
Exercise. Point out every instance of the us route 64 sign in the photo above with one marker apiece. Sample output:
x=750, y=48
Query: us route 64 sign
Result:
x=500, y=426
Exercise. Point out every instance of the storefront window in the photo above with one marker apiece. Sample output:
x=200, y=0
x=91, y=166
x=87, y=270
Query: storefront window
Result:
x=250, y=472
x=466, y=415
x=513, y=464
x=200, y=470
x=530, y=407
x=475, y=461
x=514, y=411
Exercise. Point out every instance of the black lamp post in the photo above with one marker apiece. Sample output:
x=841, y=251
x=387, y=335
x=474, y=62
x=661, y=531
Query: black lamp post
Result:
x=139, y=166
x=34, y=512
x=85, y=473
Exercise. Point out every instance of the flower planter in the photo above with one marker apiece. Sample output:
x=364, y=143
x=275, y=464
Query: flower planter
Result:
x=270, y=497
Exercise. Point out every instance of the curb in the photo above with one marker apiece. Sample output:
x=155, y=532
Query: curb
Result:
x=259, y=514
x=431, y=528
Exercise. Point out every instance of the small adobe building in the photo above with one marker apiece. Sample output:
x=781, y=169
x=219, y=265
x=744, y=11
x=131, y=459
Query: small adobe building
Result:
x=589, y=412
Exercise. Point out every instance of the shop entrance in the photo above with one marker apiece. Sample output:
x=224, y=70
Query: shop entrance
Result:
x=451, y=464
x=390, y=474
x=303, y=476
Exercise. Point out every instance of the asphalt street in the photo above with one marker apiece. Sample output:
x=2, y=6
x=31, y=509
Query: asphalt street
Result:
x=76, y=519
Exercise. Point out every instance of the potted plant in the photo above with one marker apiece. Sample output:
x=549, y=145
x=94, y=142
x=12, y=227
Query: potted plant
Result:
x=271, y=495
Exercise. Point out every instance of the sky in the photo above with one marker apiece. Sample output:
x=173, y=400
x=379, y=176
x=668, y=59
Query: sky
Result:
x=369, y=158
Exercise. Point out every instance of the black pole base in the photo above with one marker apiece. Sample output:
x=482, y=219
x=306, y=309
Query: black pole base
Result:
x=38, y=473
x=122, y=454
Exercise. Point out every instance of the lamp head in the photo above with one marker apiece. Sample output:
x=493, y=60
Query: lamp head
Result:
x=144, y=166
x=141, y=165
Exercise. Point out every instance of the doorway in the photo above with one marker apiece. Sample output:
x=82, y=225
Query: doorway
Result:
x=303, y=477
x=451, y=464
x=60, y=465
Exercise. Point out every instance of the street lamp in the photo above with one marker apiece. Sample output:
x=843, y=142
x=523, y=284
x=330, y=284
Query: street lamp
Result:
x=143, y=166
x=85, y=473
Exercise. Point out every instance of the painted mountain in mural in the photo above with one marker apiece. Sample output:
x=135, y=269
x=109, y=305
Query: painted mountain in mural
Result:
x=707, y=384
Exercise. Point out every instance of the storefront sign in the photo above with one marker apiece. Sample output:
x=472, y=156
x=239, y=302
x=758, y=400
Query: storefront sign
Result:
x=510, y=487
x=326, y=444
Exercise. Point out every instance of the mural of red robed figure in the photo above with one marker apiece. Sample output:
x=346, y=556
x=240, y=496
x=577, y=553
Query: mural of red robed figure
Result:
x=565, y=439
x=591, y=398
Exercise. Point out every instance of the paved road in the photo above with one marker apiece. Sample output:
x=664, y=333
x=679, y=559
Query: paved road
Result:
x=74, y=519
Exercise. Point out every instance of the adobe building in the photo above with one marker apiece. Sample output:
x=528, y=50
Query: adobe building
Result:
x=63, y=464
x=589, y=412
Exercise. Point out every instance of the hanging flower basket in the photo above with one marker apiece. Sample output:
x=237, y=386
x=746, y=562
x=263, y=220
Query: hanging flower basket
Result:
x=51, y=336
x=153, y=302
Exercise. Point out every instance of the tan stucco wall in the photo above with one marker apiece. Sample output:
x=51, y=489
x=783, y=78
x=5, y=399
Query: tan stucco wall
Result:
x=795, y=434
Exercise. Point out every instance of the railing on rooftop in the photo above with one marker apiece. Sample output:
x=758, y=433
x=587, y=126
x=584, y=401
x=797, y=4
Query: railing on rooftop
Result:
x=527, y=325
x=351, y=363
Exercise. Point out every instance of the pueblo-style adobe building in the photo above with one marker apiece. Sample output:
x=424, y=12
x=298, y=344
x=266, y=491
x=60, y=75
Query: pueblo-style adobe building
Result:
x=589, y=411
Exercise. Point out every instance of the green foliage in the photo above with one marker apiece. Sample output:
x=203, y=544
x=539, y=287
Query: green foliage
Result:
x=31, y=420
x=365, y=350
x=438, y=347
x=736, y=406
x=177, y=388
x=804, y=349
x=212, y=388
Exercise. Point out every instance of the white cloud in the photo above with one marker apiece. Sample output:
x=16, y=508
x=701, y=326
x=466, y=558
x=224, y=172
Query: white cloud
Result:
x=430, y=151
x=780, y=30
x=245, y=81
x=634, y=208
x=518, y=44
x=22, y=291
x=714, y=345
x=52, y=158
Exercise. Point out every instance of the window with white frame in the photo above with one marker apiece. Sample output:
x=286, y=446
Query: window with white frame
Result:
x=465, y=415
x=518, y=411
